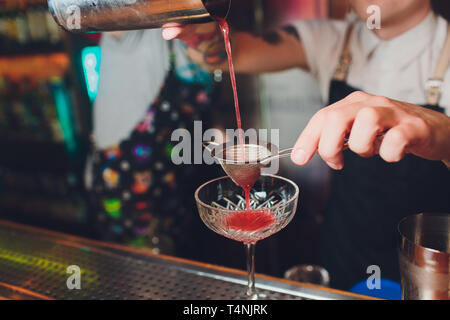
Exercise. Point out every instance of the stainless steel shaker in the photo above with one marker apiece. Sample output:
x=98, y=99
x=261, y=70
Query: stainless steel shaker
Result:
x=424, y=257
x=113, y=15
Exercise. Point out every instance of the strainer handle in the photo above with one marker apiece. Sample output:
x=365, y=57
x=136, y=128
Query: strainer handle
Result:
x=208, y=144
x=282, y=154
x=285, y=153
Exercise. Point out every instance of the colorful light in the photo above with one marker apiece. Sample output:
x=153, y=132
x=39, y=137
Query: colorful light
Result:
x=91, y=58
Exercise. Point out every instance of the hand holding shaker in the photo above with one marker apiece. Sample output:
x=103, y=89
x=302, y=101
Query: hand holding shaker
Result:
x=113, y=15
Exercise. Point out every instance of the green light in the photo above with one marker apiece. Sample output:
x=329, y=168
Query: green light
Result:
x=169, y=149
x=113, y=207
x=32, y=263
x=64, y=112
x=91, y=57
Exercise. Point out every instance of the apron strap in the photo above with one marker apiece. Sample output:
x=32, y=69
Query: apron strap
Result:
x=433, y=86
x=345, y=59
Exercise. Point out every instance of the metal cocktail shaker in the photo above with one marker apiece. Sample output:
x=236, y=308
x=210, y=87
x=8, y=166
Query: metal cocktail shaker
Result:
x=113, y=15
x=424, y=256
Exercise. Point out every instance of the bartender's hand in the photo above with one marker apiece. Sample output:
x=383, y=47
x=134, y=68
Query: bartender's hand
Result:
x=404, y=128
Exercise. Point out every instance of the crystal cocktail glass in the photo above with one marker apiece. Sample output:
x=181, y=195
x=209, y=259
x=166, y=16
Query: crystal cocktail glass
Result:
x=273, y=202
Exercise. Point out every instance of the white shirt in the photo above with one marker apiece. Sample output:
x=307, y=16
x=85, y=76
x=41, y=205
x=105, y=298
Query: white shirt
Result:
x=132, y=71
x=397, y=68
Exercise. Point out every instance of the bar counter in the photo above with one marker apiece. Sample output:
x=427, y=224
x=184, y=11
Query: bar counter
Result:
x=34, y=262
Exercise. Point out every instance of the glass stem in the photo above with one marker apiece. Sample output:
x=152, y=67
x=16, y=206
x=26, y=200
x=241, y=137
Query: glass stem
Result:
x=251, y=290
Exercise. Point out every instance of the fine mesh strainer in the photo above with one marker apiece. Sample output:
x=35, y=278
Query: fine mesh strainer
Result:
x=243, y=163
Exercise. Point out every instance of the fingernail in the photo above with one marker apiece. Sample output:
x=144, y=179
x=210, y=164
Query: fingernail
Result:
x=299, y=156
x=334, y=166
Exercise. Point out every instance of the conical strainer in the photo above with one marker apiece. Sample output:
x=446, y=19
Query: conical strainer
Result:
x=243, y=163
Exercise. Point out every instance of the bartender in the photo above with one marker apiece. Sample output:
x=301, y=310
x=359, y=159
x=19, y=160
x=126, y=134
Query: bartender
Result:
x=386, y=131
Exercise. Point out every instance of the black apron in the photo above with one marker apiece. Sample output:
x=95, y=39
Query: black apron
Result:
x=367, y=200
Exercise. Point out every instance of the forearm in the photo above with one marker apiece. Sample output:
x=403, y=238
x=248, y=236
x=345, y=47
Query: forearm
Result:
x=207, y=49
x=276, y=51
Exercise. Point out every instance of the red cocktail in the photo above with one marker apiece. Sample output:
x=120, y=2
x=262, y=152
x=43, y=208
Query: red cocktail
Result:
x=273, y=201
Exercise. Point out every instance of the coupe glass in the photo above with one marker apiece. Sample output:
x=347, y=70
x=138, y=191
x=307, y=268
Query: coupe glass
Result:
x=273, y=202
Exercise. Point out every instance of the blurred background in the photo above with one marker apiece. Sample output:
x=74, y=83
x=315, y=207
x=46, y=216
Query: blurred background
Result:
x=48, y=86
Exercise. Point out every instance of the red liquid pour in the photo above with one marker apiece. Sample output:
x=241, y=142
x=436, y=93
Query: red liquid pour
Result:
x=226, y=36
x=250, y=220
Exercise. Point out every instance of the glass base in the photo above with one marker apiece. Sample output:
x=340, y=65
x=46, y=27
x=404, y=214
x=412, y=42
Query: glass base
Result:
x=256, y=296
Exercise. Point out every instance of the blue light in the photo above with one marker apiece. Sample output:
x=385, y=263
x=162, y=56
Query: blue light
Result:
x=91, y=58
